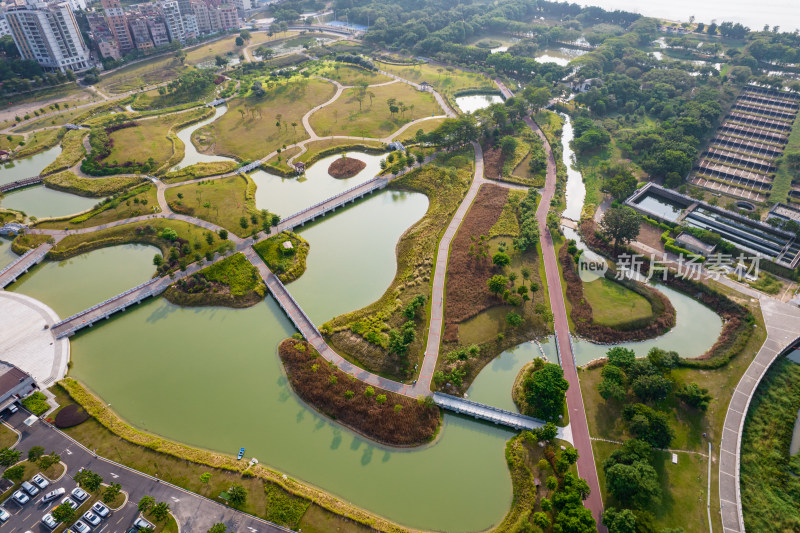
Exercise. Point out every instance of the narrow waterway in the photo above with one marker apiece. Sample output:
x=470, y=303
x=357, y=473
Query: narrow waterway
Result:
x=286, y=196
x=28, y=167
x=475, y=102
x=696, y=326
x=192, y=156
x=6, y=255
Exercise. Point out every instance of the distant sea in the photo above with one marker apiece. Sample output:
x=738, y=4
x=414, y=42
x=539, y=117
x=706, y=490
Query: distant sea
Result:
x=783, y=13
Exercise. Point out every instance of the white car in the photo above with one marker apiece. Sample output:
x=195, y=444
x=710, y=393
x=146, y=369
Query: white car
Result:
x=4, y=515
x=69, y=501
x=80, y=527
x=91, y=518
x=79, y=494
x=21, y=498
x=141, y=523
x=49, y=521
x=40, y=481
x=52, y=495
x=100, y=510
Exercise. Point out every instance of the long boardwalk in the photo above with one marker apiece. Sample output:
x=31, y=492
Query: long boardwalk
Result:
x=27, y=260
x=577, y=413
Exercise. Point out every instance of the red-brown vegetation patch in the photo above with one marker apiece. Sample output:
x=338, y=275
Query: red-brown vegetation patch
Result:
x=346, y=167
x=493, y=162
x=70, y=416
x=661, y=321
x=326, y=388
x=467, y=293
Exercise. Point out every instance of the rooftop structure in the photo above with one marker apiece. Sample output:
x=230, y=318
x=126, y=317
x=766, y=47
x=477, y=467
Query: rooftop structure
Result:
x=750, y=236
x=47, y=32
x=784, y=212
x=687, y=241
x=14, y=384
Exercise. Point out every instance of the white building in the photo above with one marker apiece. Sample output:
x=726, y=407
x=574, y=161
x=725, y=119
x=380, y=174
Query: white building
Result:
x=4, y=29
x=172, y=18
x=47, y=33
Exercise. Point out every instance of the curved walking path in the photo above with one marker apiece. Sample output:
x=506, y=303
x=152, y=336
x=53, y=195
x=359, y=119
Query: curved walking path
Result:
x=577, y=413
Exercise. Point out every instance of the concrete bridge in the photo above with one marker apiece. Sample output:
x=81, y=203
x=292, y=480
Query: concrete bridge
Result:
x=19, y=184
x=492, y=414
x=29, y=259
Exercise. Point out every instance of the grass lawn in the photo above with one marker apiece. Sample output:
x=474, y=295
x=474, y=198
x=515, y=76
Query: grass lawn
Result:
x=73, y=245
x=447, y=80
x=150, y=138
x=92, y=187
x=129, y=205
x=55, y=119
x=319, y=520
x=223, y=202
x=612, y=304
x=39, y=141
x=246, y=135
x=7, y=436
x=148, y=72
x=314, y=150
x=10, y=142
x=343, y=117
x=684, y=487
x=32, y=469
x=237, y=273
x=410, y=134
x=72, y=152
x=69, y=93
x=288, y=266
x=348, y=74
x=199, y=170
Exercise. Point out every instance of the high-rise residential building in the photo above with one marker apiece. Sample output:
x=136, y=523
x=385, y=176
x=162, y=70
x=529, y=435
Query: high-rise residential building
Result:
x=172, y=18
x=140, y=33
x=243, y=6
x=4, y=29
x=118, y=24
x=206, y=22
x=190, y=30
x=46, y=32
x=77, y=4
x=228, y=17
x=158, y=31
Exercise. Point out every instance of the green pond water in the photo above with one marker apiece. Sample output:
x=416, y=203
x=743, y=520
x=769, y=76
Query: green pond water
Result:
x=6, y=255
x=28, y=167
x=41, y=202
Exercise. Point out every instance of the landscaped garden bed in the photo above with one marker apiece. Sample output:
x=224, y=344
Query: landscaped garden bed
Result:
x=232, y=282
x=381, y=415
x=346, y=167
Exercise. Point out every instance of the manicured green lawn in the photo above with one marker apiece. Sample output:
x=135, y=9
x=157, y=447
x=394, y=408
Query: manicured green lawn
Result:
x=236, y=272
x=613, y=304
x=10, y=142
x=248, y=130
x=287, y=265
x=148, y=72
x=223, y=202
x=7, y=436
x=349, y=75
x=447, y=80
x=372, y=118
x=142, y=203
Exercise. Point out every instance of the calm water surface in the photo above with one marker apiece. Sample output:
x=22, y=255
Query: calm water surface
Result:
x=474, y=102
x=41, y=202
x=28, y=167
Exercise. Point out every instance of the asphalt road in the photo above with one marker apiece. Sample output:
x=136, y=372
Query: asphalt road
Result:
x=193, y=512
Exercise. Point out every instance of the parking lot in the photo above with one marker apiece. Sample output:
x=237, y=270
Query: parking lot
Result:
x=192, y=512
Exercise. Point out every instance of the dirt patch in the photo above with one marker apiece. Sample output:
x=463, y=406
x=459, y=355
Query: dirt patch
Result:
x=346, y=167
x=467, y=271
x=196, y=291
x=326, y=388
x=651, y=236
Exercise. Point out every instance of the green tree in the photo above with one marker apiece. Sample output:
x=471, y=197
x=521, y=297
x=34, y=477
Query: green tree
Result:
x=369, y=392
x=14, y=473
x=205, y=477
x=513, y=319
x=34, y=453
x=497, y=284
x=501, y=259
x=622, y=521
x=243, y=222
x=87, y=479
x=63, y=513
x=219, y=527
x=8, y=456
x=158, y=260
x=633, y=484
x=46, y=461
x=621, y=357
x=694, y=396
x=223, y=234
x=111, y=492
x=621, y=224
x=381, y=399
x=239, y=41
x=146, y=503
x=160, y=512
x=508, y=145
x=237, y=495
x=545, y=390
x=651, y=388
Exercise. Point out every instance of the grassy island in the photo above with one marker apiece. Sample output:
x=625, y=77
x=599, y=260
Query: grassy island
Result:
x=232, y=282
x=288, y=263
x=381, y=415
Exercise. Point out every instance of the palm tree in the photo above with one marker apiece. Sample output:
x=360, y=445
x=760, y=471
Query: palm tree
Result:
x=371, y=96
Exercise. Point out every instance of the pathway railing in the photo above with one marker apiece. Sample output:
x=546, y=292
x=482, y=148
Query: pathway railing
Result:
x=25, y=261
x=486, y=412
x=21, y=183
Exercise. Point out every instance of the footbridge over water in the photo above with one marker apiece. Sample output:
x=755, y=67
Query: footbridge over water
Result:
x=492, y=414
x=29, y=259
x=19, y=184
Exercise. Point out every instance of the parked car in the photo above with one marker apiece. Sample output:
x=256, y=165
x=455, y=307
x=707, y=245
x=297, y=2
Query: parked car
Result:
x=12, y=408
x=91, y=518
x=30, y=489
x=80, y=527
x=21, y=498
x=49, y=521
x=52, y=495
x=79, y=494
x=4, y=515
x=100, y=510
x=40, y=481
x=69, y=501
x=141, y=523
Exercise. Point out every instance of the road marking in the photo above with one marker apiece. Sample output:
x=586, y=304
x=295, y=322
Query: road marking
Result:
x=252, y=529
x=176, y=500
x=113, y=475
x=68, y=451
